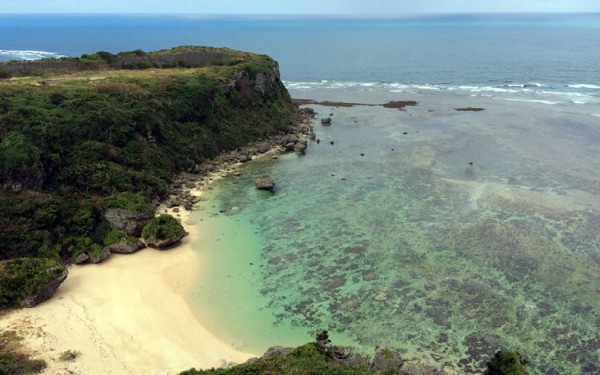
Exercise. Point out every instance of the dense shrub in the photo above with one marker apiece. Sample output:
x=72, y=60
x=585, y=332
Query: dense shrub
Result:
x=21, y=277
x=163, y=227
x=113, y=237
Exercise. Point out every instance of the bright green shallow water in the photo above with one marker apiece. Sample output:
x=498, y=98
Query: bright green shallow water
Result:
x=409, y=245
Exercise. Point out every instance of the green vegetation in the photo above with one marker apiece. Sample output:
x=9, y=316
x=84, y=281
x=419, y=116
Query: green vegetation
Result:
x=306, y=359
x=81, y=135
x=310, y=360
x=163, y=227
x=507, y=363
x=13, y=361
x=69, y=355
x=322, y=358
x=22, y=277
x=114, y=236
x=128, y=201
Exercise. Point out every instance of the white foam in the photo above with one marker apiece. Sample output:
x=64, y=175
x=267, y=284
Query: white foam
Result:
x=28, y=55
x=585, y=86
x=531, y=92
x=427, y=87
x=531, y=101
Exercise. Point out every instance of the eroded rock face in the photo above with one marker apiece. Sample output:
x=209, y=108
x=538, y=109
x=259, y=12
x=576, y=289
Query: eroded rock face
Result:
x=132, y=222
x=99, y=257
x=387, y=359
x=277, y=352
x=265, y=183
x=126, y=246
x=166, y=243
x=47, y=290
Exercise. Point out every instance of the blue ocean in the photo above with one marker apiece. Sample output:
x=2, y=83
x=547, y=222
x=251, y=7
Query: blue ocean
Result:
x=467, y=223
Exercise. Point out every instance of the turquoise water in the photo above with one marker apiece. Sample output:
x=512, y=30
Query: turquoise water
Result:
x=411, y=246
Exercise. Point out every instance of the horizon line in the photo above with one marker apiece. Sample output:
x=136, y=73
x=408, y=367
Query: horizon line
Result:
x=336, y=15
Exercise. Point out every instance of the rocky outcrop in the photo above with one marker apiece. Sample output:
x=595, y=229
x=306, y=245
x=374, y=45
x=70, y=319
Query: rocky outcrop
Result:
x=126, y=246
x=46, y=291
x=99, y=256
x=163, y=232
x=81, y=258
x=265, y=183
x=165, y=243
x=132, y=222
x=387, y=359
x=277, y=352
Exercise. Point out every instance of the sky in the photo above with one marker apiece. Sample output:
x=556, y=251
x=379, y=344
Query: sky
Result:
x=340, y=7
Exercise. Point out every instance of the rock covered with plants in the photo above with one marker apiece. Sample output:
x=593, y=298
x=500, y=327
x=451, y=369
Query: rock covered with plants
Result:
x=163, y=232
x=26, y=282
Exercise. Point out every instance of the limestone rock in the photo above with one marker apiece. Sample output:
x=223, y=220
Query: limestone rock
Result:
x=126, y=246
x=81, y=258
x=277, y=352
x=300, y=147
x=166, y=243
x=326, y=121
x=132, y=222
x=265, y=183
x=48, y=290
x=386, y=359
x=102, y=255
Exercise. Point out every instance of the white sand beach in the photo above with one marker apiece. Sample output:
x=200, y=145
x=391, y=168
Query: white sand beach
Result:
x=128, y=315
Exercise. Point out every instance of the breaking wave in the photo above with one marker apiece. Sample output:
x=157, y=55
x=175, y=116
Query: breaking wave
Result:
x=6, y=55
x=533, y=92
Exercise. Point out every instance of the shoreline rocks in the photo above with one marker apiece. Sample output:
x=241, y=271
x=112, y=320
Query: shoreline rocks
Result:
x=47, y=291
x=202, y=174
x=132, y=222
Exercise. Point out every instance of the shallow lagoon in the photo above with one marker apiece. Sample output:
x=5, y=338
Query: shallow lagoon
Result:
x=410, y=244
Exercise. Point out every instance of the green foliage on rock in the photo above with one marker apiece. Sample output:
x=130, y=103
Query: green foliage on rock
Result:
x=163, y=227
x=507, y=362
x=87, y=137
x=114, y=236
x=306, y=359
x=22, y=277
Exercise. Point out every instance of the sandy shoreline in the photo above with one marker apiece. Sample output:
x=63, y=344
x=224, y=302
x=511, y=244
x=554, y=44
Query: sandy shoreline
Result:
x=128, y=315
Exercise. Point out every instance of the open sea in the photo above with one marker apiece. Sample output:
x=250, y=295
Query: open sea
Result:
x=447, y=234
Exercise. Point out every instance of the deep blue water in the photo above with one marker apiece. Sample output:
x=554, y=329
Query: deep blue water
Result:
x=457, y=49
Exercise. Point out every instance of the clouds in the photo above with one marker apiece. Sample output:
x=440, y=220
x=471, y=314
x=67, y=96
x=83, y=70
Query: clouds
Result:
x=372, y=7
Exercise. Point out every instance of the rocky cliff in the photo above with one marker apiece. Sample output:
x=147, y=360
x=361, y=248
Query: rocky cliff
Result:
x=89, y=137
